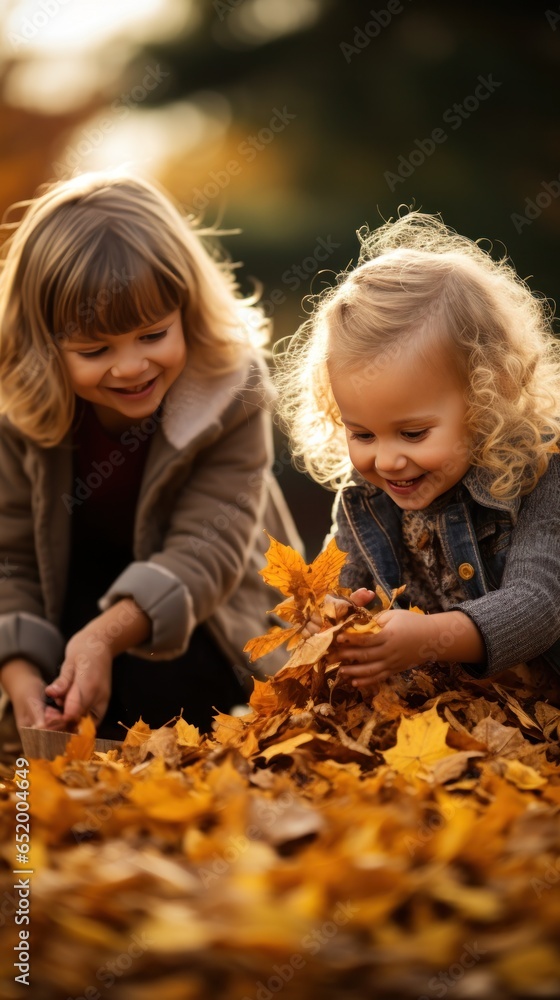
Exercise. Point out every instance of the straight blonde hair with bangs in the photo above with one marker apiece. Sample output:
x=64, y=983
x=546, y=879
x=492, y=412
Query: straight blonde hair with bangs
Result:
x=107, y=253
x=421, y=288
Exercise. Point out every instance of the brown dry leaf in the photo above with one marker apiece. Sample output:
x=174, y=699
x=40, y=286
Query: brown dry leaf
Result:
x=450, y=768
x=505, y=741
x=420, y=741
x=527, y=723
x=231, y=853
x=548, y=718
x=351, y=744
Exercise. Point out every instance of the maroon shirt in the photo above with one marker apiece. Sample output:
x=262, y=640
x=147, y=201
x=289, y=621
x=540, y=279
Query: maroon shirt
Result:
x=106, y=481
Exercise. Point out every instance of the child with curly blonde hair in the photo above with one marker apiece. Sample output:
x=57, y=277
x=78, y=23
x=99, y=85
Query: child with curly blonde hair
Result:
x=425, y=388
x=135, y=463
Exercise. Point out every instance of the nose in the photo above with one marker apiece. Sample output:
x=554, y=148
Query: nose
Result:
x=129, y=363
x=389, y=459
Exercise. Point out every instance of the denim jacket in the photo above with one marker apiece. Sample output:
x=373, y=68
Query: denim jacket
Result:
x=506, y=554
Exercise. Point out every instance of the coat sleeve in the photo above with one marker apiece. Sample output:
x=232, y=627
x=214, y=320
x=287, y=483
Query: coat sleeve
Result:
x=24, y=630
x=520, y=620
x=211, y=533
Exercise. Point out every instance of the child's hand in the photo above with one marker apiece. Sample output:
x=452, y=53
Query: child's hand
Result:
x=84, y=683
x=26, y=689
x=368, y=658
x=340, y=604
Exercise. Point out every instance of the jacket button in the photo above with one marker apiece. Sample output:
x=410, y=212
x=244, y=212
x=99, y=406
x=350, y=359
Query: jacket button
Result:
x=466, y=571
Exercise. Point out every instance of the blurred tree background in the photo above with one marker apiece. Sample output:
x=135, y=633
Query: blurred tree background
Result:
x=298, y=122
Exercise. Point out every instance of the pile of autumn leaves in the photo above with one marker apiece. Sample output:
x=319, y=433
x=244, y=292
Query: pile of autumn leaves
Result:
x=318, y=846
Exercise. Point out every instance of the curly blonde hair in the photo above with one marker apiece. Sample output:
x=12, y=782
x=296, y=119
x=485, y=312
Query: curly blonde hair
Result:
x=103, y=253
x=421, y=287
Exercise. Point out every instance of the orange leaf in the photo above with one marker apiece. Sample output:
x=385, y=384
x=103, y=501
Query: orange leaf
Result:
x=137, y=734
x=284, y=565
x=263, y=644
x=287, y=571
x=187, y=735
x=264, y=698
x=80, y=745
x=324, y=571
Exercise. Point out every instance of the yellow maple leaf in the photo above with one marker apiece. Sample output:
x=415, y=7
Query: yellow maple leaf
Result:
x=420, y=742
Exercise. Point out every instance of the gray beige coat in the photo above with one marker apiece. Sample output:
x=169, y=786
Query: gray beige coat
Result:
x=206, y=497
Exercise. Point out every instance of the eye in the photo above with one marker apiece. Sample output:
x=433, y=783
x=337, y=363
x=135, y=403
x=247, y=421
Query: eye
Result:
x=92, y=354
x=151, y=337
x=361, y=437
x=414, y=435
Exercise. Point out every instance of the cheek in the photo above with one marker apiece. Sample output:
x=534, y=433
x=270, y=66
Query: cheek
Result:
x=359, y=456
x=83, y=375
x=175, y=355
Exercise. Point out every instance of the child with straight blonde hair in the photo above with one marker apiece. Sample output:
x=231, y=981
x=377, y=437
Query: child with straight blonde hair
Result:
x=425, y=389
x=135, y=463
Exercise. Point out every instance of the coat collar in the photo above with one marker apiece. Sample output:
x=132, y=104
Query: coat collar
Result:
x=197, y=401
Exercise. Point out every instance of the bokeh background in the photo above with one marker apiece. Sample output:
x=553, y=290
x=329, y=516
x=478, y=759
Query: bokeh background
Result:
x=297, y=122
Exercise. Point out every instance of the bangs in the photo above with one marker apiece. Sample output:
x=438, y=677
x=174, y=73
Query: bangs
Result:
x=112, y=287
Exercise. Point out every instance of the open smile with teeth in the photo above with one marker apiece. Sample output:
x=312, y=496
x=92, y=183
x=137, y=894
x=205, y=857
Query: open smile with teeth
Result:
x=134, y=389
x=403, y=482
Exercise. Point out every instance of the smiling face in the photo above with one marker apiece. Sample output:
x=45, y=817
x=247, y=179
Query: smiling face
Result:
x=405, y=427
x=125, y=376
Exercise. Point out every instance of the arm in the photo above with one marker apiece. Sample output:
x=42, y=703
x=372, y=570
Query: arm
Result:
x=84, y=682
x=520, y=620
x=25, y=688
x=407, y=639
x=30, y=646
